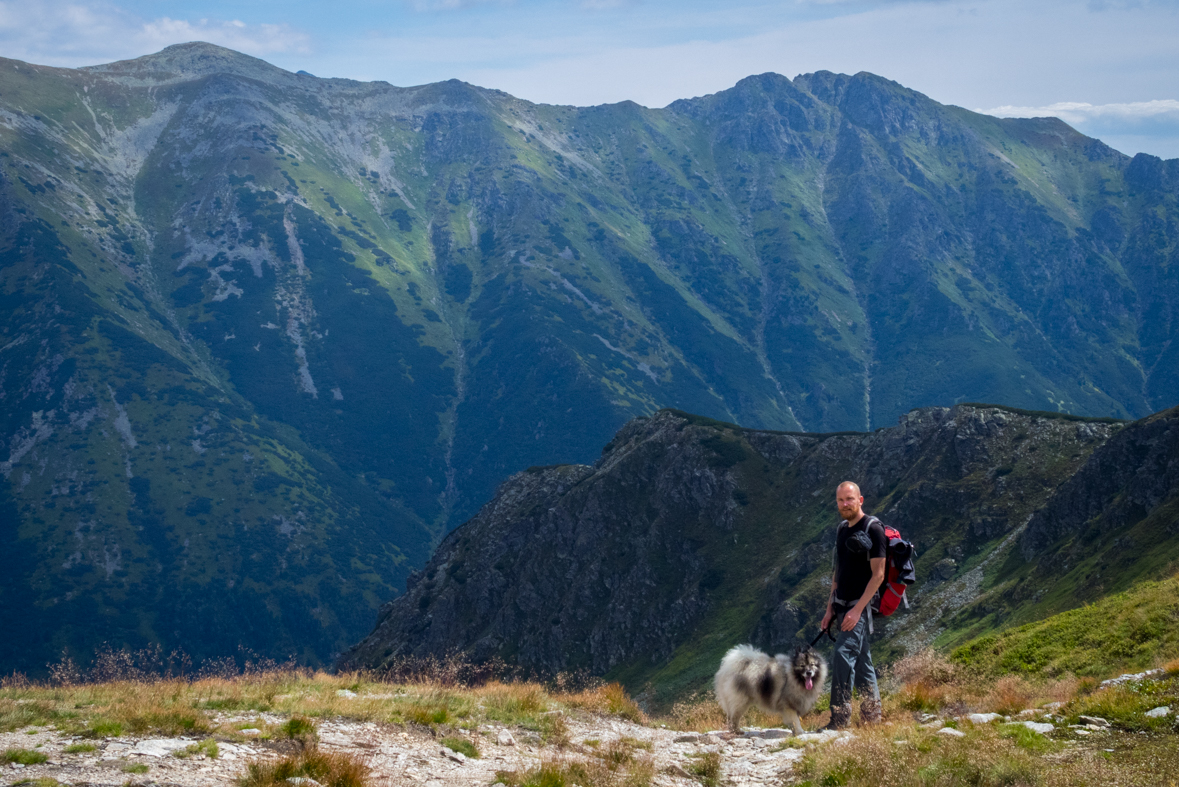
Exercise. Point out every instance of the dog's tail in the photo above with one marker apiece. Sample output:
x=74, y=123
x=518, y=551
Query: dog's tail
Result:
x=738, y=657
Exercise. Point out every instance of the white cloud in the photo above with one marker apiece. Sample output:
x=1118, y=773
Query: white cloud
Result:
x=1080, y=112
x=65, y=33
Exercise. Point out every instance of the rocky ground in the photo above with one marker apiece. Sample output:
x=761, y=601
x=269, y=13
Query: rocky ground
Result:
x=413, y=757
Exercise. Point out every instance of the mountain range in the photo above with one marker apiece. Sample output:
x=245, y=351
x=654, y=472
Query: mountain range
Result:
x=266, y=338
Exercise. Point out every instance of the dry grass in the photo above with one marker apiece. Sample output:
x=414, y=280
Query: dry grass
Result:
x=330, y=769
x=983, y=758
x=183, y=707
x=610, y=771
x=702, y=713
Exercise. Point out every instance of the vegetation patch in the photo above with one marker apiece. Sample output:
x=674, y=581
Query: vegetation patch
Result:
x=1123, y=632
x=206, y=748
x=330, y=769
x=23, y=756
x=461, y=745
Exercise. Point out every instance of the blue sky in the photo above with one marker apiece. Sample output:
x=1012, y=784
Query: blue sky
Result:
x=1109, y=67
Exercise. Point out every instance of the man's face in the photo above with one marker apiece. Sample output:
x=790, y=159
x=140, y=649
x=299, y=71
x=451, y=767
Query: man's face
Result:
x=848, y=501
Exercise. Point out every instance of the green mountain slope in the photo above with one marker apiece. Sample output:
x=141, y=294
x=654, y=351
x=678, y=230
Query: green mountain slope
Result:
x=264, y=338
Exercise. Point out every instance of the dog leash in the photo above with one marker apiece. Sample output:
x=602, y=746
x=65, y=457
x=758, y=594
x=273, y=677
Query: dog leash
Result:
x=826, y=631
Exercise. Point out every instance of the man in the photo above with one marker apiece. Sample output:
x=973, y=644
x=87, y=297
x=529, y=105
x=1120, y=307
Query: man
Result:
x=860, y=548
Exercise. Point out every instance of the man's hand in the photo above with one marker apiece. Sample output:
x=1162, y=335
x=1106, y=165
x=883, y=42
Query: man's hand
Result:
x=826, y=619
x=851, y=619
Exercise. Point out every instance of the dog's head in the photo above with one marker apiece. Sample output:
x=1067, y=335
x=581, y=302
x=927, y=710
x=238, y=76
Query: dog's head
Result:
x=807, y=666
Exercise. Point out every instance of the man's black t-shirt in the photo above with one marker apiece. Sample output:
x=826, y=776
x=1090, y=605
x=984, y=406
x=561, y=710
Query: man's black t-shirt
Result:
x=852, y=569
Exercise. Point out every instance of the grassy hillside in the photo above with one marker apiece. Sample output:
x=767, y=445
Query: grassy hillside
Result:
x=1130, y=631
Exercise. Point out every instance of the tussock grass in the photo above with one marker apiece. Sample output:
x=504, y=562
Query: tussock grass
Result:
x=23, y=756
x=207, y=748
x=702, y=713
x=80, y=748
x=984, y=758
x=706, y=768
x=330, y=769
x=186, y=707
x=461, y=745
x=602, y=772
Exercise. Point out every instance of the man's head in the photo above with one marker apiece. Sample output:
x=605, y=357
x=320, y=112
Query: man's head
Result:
x=849, y=501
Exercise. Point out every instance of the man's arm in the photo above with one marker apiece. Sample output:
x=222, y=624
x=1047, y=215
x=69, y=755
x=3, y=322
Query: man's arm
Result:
x=853, y=616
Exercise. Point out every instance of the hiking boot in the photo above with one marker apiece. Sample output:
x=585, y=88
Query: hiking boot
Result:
x=840, y=717
x=870, y=711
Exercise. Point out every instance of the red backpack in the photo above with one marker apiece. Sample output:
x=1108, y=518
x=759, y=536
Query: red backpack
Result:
x=899, y=573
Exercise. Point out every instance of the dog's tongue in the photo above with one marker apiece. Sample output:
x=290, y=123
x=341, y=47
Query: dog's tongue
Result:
x=810, y=684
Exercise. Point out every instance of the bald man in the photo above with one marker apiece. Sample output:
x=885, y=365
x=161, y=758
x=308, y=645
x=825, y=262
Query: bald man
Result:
x=860, y=548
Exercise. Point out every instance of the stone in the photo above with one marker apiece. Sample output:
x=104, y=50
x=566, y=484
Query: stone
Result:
x=1159, y=712
x=950, y=732
x=687, y=739
x=1096, y=721
x=250, y=731
x=777, y=734
x=945, y=568
x=505, y=738
x=936, y=724
x=676, y=770
x=159, y=747
x=346, y=694
x=1135, y=677
x=983, y=718
x=1036, y=726
x=456, y=756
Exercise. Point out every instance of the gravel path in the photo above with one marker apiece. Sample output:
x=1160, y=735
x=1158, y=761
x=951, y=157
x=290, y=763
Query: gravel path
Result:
x=408, y=757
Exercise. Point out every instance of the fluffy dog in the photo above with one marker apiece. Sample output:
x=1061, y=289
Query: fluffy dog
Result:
x=788, y=686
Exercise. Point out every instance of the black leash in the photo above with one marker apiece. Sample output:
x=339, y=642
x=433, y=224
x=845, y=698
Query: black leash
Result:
x=826, y=631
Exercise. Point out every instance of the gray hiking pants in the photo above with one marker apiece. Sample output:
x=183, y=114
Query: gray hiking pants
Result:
x=852, y=659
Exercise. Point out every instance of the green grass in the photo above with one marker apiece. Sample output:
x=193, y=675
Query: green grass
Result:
x=23, y=756
x=136, y=767
x=207, y=748
x=705, y=767
x=1125, y=632
x=80, y=748
x=461, y=745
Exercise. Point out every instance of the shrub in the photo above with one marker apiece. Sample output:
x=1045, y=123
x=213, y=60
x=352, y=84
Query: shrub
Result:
x=80, y=748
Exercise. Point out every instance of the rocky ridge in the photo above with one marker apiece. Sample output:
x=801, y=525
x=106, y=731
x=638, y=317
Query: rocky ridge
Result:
x=690, y=535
